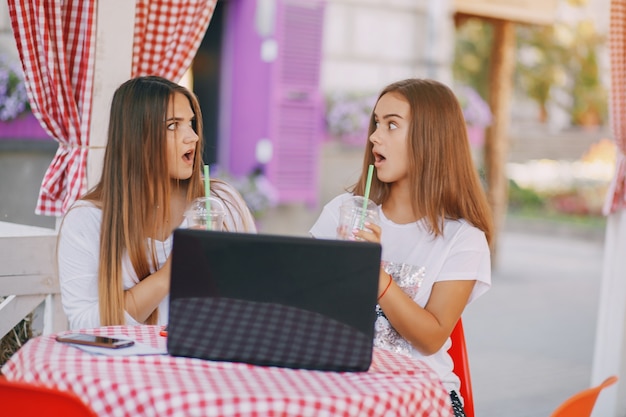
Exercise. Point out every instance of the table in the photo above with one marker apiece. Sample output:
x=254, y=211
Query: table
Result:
x=163, y=385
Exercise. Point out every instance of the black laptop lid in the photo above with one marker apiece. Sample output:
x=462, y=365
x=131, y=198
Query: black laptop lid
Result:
x=274, y=300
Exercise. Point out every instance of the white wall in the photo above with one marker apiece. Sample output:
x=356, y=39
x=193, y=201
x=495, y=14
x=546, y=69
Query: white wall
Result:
x=7, y=42
x=369, y=43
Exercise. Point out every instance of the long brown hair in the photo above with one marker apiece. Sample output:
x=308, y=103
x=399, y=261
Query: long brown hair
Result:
x=135, y=183
x=442, y=174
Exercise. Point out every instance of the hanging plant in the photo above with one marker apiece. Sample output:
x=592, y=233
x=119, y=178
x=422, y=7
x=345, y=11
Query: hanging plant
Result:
x=13, y=97
x=348, y=116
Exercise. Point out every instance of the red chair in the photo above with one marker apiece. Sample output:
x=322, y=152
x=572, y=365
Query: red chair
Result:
x=581, y=404
x=31, y=400
x=458, y=352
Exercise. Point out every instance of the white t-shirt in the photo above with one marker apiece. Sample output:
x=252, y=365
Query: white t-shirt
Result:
x=78, y=255
x=462, y=253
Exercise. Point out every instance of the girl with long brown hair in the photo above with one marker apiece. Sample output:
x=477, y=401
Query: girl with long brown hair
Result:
x=435, y=222
x=115, y=242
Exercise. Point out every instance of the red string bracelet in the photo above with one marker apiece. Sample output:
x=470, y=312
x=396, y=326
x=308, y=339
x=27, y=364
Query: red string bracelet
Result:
x=386, y=288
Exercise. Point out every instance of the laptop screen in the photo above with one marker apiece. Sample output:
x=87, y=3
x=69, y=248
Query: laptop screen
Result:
x=273, y=300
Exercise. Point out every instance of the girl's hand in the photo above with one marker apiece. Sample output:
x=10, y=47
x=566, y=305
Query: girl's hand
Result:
x=371, y=233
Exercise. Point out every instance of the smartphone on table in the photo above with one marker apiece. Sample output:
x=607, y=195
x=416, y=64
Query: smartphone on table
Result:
x=93, y=340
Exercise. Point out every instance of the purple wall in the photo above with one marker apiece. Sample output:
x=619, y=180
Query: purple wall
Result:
x=24, y=127
x=279, y=100
x=249, y=89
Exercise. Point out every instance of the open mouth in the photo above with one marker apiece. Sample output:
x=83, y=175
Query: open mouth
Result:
x=378, y=157
x=188, y=156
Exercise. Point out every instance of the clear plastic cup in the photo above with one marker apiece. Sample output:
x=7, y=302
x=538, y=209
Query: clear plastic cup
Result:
x=352, y=216
x=197, y=217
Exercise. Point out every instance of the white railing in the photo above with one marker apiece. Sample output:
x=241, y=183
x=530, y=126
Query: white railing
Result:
x=28, y=277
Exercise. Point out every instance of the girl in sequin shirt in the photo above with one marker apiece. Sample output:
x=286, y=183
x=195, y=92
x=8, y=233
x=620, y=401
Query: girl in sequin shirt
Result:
x=435, y=222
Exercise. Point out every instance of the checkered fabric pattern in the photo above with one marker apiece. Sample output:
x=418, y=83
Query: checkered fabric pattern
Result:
x=168, y=34
x=616, y=196
x=264, y=334
x=55, y=40
x=163, y=385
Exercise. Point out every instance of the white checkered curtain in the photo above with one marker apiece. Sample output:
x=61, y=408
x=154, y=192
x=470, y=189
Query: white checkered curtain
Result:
x=55, y=40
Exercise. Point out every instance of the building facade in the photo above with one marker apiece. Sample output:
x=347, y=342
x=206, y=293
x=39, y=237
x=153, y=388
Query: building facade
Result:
x=263, y=73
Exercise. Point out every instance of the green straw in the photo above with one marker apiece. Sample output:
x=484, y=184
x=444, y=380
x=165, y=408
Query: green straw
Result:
x=366, y=196
x=207, y=193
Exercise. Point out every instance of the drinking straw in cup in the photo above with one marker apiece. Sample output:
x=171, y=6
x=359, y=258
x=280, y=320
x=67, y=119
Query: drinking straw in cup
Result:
x=352, y=216
x=356, y=210
x=207, y=193
x=366, y=195
x=206, y=213
x=198, y=217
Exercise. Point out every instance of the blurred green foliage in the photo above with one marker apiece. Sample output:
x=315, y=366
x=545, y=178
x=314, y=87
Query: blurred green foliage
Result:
x=524, y=198
x=472, y=50
x=541, y=64
x=554, y=64
x=590, y=98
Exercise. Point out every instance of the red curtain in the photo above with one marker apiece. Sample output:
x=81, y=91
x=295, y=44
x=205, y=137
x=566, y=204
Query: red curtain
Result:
x=616, y=197
x=56, y=42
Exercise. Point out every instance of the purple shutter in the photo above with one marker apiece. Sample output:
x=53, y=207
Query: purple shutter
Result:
x=278, y=100
x=297, y=101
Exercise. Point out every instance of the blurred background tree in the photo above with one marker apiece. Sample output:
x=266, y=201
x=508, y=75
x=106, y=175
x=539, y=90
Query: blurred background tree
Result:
x=555, y=64
x=589, y=96
x=472, y=49
x=540, y=68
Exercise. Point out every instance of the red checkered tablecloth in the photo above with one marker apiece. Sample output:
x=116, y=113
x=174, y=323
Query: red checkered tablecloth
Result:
x=162, y=385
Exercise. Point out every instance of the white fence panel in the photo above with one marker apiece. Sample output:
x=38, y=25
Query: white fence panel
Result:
x=28, y=277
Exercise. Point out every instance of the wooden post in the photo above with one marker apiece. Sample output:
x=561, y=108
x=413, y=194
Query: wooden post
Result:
x=496, y=138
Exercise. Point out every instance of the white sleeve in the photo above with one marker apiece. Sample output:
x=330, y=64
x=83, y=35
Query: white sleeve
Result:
x=235, y=205
x=469, y=259
x=326, y=225
x=78, y=253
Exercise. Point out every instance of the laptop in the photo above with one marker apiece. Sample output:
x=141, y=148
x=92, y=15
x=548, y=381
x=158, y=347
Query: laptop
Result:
x=271, y=300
